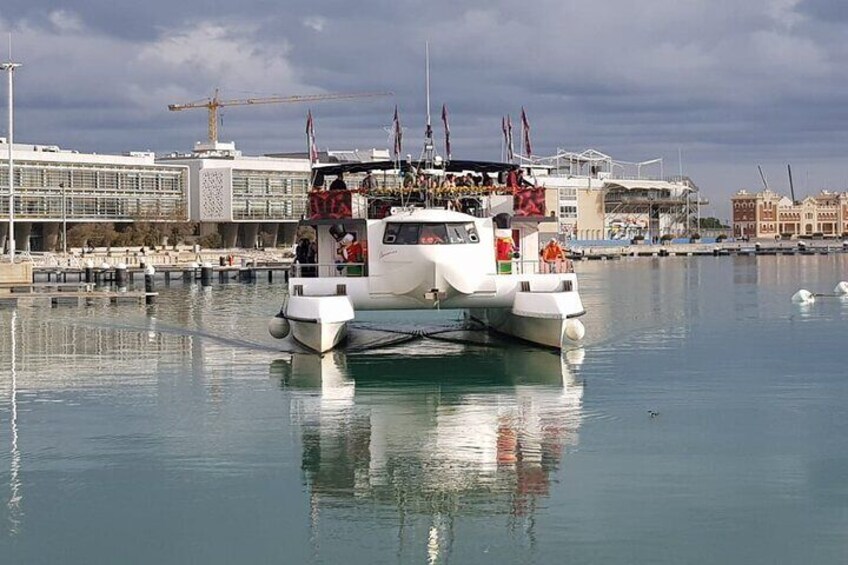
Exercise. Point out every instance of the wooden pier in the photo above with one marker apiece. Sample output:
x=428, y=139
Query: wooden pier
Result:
x=724, y=249
x=77, y=294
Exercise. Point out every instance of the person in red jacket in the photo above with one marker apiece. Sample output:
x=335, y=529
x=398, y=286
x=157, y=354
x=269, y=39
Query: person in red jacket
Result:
x=505, y=250
x=353, y=253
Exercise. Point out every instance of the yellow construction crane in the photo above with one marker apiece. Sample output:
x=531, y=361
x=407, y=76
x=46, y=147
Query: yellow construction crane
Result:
x=212, y=104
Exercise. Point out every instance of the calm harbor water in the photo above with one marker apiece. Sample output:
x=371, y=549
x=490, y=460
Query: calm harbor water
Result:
x=183, y=435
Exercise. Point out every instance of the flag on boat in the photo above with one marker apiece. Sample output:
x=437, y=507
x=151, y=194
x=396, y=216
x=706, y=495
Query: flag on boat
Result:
x=447, y=132
x=312, y=149
x=398, y=134
x=525, y=124
x=510, y=149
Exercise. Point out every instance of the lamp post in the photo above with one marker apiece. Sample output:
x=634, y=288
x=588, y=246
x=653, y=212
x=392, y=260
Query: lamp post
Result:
x=10, y=67
x=64, y=220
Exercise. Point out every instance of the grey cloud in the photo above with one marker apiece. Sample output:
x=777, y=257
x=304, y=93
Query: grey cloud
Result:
x=825, y=10
x=731, y=83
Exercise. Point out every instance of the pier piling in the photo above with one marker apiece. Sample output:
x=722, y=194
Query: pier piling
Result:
x=206, y=274
x=121, y=275
x=149, y=272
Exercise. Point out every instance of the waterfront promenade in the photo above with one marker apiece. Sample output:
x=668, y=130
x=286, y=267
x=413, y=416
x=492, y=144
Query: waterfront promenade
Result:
x=281, y=257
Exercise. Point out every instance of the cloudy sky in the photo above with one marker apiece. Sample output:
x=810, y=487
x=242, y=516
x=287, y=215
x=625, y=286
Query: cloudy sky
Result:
x=730, y=84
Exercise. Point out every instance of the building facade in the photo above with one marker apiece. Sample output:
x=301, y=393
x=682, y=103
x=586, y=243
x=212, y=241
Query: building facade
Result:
x=249, y=200
x=57, y=188
x=770, y=215
x=601, y=198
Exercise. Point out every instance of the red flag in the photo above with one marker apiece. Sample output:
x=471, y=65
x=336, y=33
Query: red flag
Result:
x=447, y=132
x=510, y=151
x=503, y=129
x=312, y=150
x=525, y=124
x=398, y=133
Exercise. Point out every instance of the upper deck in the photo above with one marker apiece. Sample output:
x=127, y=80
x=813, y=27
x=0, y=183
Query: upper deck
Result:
x=371, y=190
x=377, y=203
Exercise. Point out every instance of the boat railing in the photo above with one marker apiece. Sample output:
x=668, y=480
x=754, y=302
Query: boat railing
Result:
x=329, y=270
x=376, y=203
x=535, y=267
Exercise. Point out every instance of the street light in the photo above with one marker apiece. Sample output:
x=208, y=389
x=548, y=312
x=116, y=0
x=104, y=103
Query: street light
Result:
x=64, y=220
x=10, y=67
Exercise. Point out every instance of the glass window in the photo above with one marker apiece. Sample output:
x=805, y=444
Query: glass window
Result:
x=433, y=234
x=430, y=233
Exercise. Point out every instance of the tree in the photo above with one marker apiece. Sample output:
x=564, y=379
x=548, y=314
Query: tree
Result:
x=711, y=223
x=97, y=234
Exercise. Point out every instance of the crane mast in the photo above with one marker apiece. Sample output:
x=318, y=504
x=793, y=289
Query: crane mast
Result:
x=213, y=104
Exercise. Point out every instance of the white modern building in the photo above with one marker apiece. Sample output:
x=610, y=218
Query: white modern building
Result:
x=251, y=200
x=56, y=188
x=603, y=198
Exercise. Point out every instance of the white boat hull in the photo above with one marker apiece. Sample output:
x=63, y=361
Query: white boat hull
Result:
x=540, y=318
x=317, y=336
x=548, y=332
x=319, y=322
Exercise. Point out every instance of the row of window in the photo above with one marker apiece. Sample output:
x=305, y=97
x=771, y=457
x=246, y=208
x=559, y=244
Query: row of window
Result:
x=268, y=182
x=103, y=208
x=94, y=180
x=430, y=233
x=287, y=208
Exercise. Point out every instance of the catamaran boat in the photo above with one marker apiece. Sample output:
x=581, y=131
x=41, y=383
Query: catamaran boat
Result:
x=390, y=247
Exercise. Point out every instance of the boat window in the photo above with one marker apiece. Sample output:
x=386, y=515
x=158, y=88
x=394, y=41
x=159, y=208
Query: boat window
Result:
x=401, y=234
x=430, y=233
x=462, y=233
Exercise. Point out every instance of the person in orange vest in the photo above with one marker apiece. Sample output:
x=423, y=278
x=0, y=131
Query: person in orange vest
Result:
x=553, y=258
x=505, y=251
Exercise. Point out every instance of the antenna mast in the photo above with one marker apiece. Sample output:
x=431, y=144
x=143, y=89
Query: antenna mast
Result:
x=429, y=146
x=427, y=81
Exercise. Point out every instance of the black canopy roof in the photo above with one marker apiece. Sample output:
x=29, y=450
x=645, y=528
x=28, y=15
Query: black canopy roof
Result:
x=448, y=166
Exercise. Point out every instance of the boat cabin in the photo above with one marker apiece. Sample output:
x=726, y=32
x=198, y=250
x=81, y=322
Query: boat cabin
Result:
x=361, y=207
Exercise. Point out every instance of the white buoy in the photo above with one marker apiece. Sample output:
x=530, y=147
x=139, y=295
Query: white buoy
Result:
x=841, y=288
x=574, y=329
x=278, y=326
x=803, y=297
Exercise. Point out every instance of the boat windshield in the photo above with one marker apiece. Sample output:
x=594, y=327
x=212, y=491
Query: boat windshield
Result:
x=428, y=233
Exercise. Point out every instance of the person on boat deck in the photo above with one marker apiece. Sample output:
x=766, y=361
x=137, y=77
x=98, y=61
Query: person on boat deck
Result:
x=505, y=251
x=554, y=259
x=368, y=182
x=429, y=236
x=448, y=182
x=306, y=255
x=339, y=183
x=409, y=178
x=512, y=179
x=487, y=180
x=522, y=182
x=353, y=253
x=318, y=181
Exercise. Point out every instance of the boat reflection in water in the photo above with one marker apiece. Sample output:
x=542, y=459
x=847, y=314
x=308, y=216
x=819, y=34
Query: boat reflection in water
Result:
x=434, y=432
